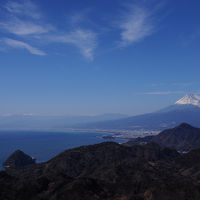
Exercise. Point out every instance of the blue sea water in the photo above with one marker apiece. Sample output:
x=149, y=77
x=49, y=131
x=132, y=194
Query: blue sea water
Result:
x=44, y=145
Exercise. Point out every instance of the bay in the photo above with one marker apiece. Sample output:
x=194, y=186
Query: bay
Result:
x=44, y=145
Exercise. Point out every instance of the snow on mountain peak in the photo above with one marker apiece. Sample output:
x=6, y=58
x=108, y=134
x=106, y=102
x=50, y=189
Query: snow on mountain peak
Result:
x=191, y=99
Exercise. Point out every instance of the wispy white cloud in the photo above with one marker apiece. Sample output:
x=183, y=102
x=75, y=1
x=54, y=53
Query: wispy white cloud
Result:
x=177, y=84
x=23, y=28
x=161, y=93
x=188, y=39
x=77, y=18
x=136, y=24
x=22, y=45
x=23, y=8
x=186, y=84
x=85, y=40
x=23, y=18
x=22, y=21
x=26, y=23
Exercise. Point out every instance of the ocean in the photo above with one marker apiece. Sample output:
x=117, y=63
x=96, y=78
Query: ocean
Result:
x=44, y=145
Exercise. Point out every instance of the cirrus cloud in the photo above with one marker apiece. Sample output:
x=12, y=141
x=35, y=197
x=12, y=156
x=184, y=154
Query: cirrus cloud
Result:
x=22, y=21
x=137, y=23
x=161, y=93
x=24, y=28
x=85, y=40
x=22, y=45
x=23, y=8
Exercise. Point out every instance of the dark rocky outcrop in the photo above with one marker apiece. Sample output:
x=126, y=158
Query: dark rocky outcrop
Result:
x=18, y=160
x=182, y=138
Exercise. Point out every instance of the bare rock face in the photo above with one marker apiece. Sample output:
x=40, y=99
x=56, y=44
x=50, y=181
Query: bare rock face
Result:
x=18, y=160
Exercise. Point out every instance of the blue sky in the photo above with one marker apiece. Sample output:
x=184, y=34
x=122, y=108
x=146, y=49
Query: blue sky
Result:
x=92, y=57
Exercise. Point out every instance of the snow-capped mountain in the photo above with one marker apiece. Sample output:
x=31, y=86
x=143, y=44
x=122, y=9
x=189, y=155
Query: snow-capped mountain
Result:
x=191, y=99
x=187, y=109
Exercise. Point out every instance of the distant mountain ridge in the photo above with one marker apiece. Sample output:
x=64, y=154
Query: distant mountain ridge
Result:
x=28, y=121
x=182, y=138
x=185, y=110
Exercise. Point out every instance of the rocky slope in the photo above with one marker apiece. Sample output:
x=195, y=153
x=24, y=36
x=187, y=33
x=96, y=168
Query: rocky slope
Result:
x=182, y=138
x=107, y=171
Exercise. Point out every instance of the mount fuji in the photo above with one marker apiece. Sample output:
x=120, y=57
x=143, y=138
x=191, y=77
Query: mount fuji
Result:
x=187, y=110
x=189, y=99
